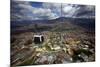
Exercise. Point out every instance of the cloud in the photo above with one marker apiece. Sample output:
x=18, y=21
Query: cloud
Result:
x=44, y=13
x=69, y=10
x=29, y=12
x=78, y=11
x=25, y=10
x=55, y=7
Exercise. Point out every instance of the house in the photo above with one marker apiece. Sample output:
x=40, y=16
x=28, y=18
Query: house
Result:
x=38, y=39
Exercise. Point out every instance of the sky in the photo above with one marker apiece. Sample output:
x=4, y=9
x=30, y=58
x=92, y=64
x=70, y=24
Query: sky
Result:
x=25, y=10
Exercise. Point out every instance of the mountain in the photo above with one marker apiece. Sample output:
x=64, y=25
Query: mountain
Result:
x=58, y=24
